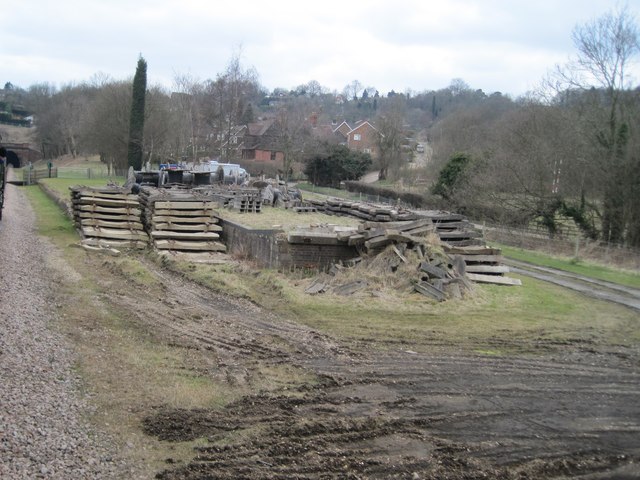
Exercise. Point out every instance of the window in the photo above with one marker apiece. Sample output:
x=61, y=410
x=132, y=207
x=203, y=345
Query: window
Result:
x=357, y=137
x=273, y=155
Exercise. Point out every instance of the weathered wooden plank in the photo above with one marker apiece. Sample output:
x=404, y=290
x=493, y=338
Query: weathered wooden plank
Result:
x=107, y=243
x=192, y=246
x=356, y=239
x=471, y=250
x=401, y=237
x=114, y=234
x=495, y=269
x=186, y=205
x=429, y=290
x=397, y=225
x=206, y=219
x=433, y=271
x=126, y=225
x=182, y=213
x=344, y=235
x=350, y=288
x=452, y=225
x=105, y=202
x=459, y=234
x=314, y=238
x=110, y=210
x=483, y=258
x=115, y=195
x=317, y=286
x=378, y=242
x=103, y=216
x=497, y=279
x=167, y=234
x=80, y=189
x=188, y=227
x=421, y=231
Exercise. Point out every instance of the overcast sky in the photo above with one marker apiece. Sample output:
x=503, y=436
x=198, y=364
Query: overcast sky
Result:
x=495, y=45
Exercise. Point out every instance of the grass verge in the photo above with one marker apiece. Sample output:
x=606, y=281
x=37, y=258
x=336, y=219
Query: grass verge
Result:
x=61, y=185
x=592, y=270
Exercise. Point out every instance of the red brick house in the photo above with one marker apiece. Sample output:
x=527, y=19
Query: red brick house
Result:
x=260, y=143
x=363, y=137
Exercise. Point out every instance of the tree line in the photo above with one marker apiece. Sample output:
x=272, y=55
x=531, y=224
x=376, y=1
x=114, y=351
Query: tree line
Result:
x=570, y=148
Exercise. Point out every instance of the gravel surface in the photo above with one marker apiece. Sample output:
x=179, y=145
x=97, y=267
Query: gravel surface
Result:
x=43, y=433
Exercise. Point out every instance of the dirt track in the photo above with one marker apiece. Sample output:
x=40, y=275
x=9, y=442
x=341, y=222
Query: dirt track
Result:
x=389, y=412
x=600, y=289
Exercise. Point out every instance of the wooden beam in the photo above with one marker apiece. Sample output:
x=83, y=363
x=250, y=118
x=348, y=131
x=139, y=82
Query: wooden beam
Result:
x=184, y=235
x=496, y=279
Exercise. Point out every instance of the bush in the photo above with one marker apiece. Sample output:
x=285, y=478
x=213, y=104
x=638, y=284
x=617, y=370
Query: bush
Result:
x=415, y=200
x=336, y=165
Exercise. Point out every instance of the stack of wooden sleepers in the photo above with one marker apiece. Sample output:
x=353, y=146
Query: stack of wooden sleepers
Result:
x=369, y=236
x=181, y=220
x=483, y=264
x=451, y=227
x=108, y=217
x=245, y=200
x=365, y=211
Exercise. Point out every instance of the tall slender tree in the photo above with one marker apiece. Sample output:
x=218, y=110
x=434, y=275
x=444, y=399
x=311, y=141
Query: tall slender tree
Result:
x=136, y=123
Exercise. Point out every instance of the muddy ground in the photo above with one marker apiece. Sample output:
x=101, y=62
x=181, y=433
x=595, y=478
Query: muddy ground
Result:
x=385, y=411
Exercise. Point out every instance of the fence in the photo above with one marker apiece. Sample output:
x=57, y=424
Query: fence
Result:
x=91, y=172
x=573, y=246
x=32, y=175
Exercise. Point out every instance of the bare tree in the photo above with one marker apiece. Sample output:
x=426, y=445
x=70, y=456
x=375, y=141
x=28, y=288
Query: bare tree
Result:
x=352, y=90
x=106, y=129
x=188, y=116
x=293, y=134
x=390, y=125
x=228, y=103
x=605, y=48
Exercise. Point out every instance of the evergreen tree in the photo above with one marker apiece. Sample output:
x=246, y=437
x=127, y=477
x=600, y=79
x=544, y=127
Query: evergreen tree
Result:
x=136, y=124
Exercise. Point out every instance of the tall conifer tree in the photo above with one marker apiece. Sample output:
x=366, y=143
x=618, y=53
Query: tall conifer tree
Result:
x=136, y=125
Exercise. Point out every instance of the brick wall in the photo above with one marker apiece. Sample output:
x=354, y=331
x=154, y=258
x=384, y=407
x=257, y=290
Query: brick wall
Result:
x=270, y=248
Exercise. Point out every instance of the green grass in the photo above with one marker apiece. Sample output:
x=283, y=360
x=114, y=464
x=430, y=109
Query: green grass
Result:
x=496, y=318
x=591, y=270
x=51, y=221
x=332, y=192
x=61, y=185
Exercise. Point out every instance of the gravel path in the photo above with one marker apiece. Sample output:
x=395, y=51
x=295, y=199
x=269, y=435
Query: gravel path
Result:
x=42, y=431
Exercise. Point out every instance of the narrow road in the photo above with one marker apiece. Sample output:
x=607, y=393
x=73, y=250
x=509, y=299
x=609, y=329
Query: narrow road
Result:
x=600, y=289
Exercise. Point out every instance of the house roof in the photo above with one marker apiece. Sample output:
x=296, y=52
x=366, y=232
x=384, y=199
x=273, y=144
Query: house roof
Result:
x=260, y=128
x=360, y=124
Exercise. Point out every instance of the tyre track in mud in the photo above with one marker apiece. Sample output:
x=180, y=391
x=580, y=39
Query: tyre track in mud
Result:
x=394, y=413
x=593, y=288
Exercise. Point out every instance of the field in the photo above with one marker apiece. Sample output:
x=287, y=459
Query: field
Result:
x=227, y=371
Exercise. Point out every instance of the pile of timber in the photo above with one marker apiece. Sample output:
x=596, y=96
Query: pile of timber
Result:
x=181, y=220
x=408, y=256
x=108, y=217
x=245, y=200
x=483, y=264
x=369, y=237
x=452, y=228
x=363, y=210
